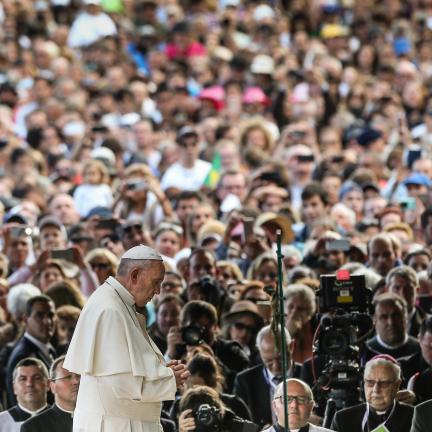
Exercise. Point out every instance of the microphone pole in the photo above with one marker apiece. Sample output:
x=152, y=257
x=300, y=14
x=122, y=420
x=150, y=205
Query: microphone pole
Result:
x=280, y=326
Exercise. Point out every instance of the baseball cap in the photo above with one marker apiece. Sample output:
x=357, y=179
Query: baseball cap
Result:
x=417, y=179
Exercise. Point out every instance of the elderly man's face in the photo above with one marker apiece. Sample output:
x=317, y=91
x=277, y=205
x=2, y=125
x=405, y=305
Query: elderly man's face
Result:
x=271, y=356
x=146, y=282
x=381, y=385
x=381, y=256
x=390, y=323
x=299, y=409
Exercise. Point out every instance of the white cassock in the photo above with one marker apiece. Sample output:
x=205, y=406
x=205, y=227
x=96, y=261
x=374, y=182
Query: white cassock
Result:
x=123, y=374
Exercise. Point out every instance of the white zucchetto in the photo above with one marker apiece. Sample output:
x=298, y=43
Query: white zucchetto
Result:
x=142, y=252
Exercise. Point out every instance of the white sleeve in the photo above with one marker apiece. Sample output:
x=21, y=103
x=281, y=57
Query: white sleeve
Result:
x=127, y=386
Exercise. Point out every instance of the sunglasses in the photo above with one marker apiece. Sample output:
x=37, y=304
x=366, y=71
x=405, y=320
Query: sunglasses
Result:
x=241, y=326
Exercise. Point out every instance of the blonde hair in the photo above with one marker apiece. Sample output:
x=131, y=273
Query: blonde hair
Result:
x=93, y=163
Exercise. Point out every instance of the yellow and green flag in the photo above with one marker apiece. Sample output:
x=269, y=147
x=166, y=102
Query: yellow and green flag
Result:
x=214, y=173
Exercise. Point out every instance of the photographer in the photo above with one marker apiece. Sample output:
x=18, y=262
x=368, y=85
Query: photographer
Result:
x=201, y=273
x=202, y=410
x=198, y=322
x=328, y=254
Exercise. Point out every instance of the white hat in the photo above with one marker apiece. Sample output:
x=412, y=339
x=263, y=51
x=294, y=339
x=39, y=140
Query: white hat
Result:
x=142, y=252
x=91, y=2
x=104, y=153
x=262, y=12
x=262, y=64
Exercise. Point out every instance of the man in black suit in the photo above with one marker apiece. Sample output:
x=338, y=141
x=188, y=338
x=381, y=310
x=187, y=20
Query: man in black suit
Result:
x=382, y=378
x=391, y=325
x=39, y=329
x=64, y=385
x=422, y=417
x=30, y=385
x=256, y=385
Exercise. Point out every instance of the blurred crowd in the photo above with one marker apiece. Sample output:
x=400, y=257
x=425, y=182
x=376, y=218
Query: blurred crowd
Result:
x=201, y=128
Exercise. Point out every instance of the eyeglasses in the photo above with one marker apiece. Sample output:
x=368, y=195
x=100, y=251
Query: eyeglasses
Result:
x=300, y=400
x=100, y=266
x=241, y=326
x=66, y=377
x=382, y=384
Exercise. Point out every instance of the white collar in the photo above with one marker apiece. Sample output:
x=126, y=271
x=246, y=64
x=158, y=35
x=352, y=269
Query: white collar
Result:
x=66, y=411
x=393, y=347
x=126, y=296
x=32, y=413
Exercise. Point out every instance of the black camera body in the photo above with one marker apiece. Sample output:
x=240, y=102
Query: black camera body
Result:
x=193, y=334
x=346, y=304
x=208, y=418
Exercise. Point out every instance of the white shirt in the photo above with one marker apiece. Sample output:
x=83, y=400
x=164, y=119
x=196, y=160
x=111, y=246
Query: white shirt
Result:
x=87, y=29
x=186, y=178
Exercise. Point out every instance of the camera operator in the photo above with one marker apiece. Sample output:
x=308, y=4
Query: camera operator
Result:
x=198, y=325
x=200, y=275
x=382, y=378
x=202, y=410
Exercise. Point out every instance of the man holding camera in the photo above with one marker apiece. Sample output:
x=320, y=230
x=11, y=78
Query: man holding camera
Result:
x=300, y=404
x=126, y=391
x=382, y=379
x=199, y=325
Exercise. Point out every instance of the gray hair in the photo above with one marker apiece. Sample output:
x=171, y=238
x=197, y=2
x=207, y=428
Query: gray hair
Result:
x=18, y=297
x=279, y=389
x=405, y=272
x=55, y=365
x=267, y=330
x=30, y=361
x=306, y=293
x=380, y=361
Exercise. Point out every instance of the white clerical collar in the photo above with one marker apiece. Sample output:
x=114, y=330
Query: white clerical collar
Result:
x=43, y=347
x=66, y=411
x=122, y=291
x=391, y=347
x=32, y=413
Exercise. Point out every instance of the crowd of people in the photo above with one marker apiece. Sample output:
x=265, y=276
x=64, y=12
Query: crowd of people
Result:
x=200, y=128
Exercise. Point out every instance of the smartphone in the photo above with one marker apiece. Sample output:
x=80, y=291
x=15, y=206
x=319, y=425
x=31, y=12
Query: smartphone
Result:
x=63, y=254
x=411, y=155
x=109, y=224
x=408, y=203
x=337, y=245
x=248, y=224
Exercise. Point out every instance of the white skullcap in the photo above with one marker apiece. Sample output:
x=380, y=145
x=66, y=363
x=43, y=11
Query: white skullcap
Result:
x=142, y=252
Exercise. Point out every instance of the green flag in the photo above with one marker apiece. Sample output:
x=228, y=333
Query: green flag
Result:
x=214, y=173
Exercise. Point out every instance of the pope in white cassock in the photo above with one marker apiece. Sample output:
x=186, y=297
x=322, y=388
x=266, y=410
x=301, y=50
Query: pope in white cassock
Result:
x=124, y=378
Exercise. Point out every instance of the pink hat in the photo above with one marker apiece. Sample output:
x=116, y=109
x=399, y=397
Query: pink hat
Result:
x=215, y=94
x=254, y=95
